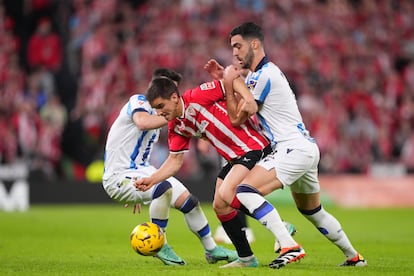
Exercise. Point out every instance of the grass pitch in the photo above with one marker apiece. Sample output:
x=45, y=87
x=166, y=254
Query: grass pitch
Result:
x=94, y=240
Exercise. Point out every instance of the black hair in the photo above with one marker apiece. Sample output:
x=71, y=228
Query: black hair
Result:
x=161, y=87
x=168, y=73
x=248, y=30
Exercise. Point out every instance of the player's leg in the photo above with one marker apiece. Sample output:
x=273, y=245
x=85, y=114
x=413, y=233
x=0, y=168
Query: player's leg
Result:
x=261, y=181
x=121, y=189
x=310, y=207
x=159, y=208
x=197, y=222
x=221, y=236
x=228, y=216
x=306, y=193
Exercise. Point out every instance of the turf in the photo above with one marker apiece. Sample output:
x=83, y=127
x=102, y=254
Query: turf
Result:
x=94, y=240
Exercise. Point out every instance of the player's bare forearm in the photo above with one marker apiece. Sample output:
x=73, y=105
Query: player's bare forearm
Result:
x=230, y=74
x=169, y=168
x=146, y=121
x=243, y=106
x=249, y=103
x=231, y=101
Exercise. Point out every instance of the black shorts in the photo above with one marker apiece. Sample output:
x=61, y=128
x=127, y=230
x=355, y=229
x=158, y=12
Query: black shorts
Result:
x=248, y=160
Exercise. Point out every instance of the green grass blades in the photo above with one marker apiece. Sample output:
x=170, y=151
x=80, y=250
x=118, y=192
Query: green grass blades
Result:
x=94, y=240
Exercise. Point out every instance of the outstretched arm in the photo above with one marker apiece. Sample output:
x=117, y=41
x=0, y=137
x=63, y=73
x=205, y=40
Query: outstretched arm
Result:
x=169, y=168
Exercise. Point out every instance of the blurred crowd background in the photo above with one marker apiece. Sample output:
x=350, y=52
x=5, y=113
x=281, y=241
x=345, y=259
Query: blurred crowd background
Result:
x=66, y=68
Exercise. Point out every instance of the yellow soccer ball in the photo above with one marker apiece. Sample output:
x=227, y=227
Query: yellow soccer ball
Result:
x=147, y=239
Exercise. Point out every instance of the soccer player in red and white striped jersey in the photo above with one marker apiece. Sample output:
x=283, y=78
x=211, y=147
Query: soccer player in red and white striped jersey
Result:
x=202, y=112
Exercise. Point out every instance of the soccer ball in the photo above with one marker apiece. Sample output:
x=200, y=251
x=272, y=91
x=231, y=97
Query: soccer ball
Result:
x=147, y=239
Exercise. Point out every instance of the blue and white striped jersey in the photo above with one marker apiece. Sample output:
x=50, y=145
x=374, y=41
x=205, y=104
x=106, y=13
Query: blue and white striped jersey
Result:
x=278, y=113
x=127, y=147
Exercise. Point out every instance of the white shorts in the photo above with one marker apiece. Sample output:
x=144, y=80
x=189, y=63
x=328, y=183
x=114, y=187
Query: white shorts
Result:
x=296, y=165
x=120, y=187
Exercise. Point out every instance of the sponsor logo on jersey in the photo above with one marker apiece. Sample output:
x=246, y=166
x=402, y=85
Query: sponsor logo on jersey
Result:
x=203, y=125
x=207, y=86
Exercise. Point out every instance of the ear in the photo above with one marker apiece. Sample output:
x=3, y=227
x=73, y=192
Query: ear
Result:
x=174, y=97
x=255, y=44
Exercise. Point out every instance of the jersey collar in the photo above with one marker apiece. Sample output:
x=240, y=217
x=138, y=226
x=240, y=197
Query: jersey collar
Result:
x=259, y=66
x=183, y=109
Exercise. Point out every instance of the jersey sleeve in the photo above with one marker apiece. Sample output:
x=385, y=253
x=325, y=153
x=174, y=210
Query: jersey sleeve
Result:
x=138, y=103
x=208, y=93
x=177, y=143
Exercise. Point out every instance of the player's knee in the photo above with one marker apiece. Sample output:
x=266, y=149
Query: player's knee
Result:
x=226, y=194
x=216, y=206
x=189, y=204
x=244, y=188
x=310, y=212
x=161, y=188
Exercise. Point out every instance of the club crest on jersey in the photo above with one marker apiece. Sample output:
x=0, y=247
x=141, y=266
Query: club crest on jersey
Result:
x=190, y=111
x=207, y=85
x=252, y=84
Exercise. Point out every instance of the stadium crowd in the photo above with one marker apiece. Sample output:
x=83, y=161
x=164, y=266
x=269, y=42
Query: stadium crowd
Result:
x=66, y=66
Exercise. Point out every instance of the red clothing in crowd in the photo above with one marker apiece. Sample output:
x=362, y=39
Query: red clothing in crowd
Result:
x=45, y=49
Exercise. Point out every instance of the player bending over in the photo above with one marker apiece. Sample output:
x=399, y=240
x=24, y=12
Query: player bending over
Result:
x=130, y=141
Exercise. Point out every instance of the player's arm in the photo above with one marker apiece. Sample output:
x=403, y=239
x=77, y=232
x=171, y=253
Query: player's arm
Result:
x=240, y=102
x=145, y=121
x=169, y=168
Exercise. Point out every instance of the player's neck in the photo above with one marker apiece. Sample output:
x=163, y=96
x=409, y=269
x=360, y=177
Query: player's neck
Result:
x=257, y=59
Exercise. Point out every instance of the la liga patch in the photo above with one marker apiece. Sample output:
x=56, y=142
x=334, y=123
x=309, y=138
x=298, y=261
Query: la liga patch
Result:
x=207, y=86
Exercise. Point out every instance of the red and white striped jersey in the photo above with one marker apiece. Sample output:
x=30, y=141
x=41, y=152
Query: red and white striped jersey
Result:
x=205, y=116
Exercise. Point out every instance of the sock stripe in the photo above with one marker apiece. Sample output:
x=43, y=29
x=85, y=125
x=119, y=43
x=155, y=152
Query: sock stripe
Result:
x=235, y=203
x=189, y=204
x=161, y=188
x=160, y=222
x=244, y=188
x=310, y=212
x=204, y=231
x=227, y=217
x=263, y=210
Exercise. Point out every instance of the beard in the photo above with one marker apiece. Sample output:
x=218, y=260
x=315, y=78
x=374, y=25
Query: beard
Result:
x=248, y=60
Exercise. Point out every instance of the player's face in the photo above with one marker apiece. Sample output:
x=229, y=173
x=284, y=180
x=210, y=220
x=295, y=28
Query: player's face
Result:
x=242, y=52
x=168, y=108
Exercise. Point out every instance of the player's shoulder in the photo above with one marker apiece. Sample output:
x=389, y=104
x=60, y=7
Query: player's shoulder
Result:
x=205, y=92
x=207, y=86
x=138, y=97
x=272, y=72
x=269, y=68
x=138, y=102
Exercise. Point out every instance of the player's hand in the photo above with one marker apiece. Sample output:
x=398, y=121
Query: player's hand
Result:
x=137, y=208
x=249, y=107
x=143, y=184
x=231, y=72
x=214, y=69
